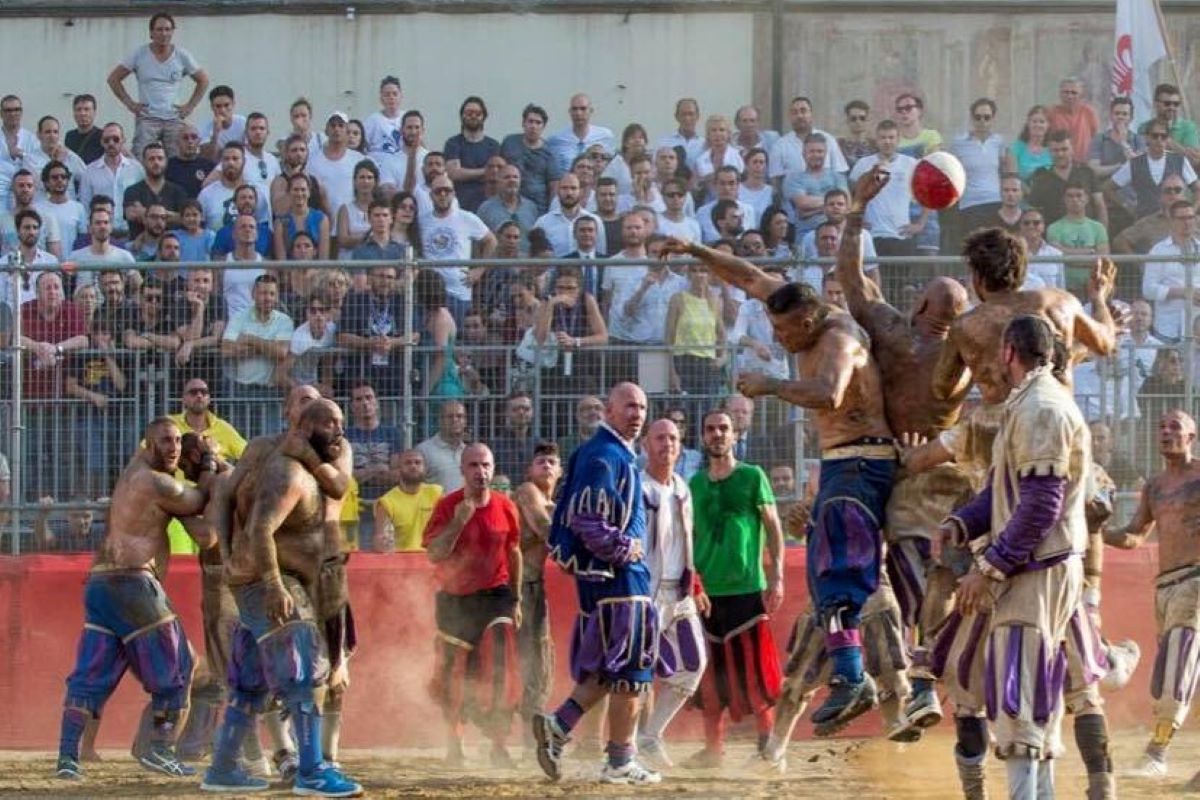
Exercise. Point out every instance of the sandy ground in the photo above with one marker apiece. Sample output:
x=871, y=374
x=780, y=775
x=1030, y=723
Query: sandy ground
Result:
x=858, y=768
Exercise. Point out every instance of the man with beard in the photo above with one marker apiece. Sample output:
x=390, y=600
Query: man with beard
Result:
x=839, y=380
x=275, y=530
x=128, y=620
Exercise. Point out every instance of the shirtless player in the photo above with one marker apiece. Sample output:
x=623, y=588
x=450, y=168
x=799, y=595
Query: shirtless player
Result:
x=128, y=621
x=840, y=381
x=274, y=540
x=1171, y=503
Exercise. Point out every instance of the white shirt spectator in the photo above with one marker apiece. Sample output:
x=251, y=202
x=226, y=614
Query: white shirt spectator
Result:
x=787, y=154
x=306, y=366
x=1159, y=277
x=111, y=255
x=702, y=167
x=256, y=370
x=216, y=201
x=99, y=179
x=259, y=171
x=236, y=132
x=35, y=161
x=238, y=286
x=760, y=199
x=1124, y=173
x=41, y=258
x=70, y=216
x=565, y=146
x=158, y=81
x=808, y=247
x=981, y=162
x=708, y=231
x=1139, y=357
x=687, y=229
x=449, y=238
x=26, y=143
x=752, y=321
x=382, y=132
x=560, y=231
x=648, y=322
x=443, y=462
x=336, y=176
x=692, y=147
x=766, y=140
x=1052, y=274
x=889, y=211
x=7, y=170
x=49, y=233
x=393, y=167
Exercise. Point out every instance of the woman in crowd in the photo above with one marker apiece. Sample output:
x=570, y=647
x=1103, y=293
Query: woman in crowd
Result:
x=696, y=335
x=570, y=320
x=778, y=233
x=755, y=188
x=718, y=152
x=633, y=143
x=405, y=227
x=333, y=285
x=1029, y=151
x=356, y=136
x=352, y=222
x=300, y=217
x=437, y=327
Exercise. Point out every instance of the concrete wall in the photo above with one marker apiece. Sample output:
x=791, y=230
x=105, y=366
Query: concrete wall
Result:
x=632, y=66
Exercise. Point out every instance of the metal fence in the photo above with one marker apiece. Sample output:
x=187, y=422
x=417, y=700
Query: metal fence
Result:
x=65, y=446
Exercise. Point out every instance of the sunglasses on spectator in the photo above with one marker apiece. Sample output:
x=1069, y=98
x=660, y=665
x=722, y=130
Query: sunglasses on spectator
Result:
x=1171, y=103
x=12, y=110
x=1032, y=222
x=198, y=390
x=908, y=107
x=1172, y=190
x=672, y=194
x=1156, y=136
x=858, y=117
x=983, y=117
x=111, y=140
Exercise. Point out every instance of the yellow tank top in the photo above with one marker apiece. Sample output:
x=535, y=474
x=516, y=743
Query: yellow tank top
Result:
x=696, y=330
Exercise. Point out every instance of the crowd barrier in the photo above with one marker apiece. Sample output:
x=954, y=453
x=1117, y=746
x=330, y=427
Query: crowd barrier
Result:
x=388, y=703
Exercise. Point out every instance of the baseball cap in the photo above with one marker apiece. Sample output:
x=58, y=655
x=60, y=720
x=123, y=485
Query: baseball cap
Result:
x=340, y=116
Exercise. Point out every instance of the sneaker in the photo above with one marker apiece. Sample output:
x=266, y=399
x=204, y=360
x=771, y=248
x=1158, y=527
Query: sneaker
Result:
x=326, y=781
x=654, y=752
x=903, y=731
x=234, y=781
x=705, y=759
x=287, y=765
x=846, y=702
x=161, y=758
x=924, y=710
x=68, y=769
x=550, y=742
x=1151, y=768
x=1123, y=658
x=631, y=774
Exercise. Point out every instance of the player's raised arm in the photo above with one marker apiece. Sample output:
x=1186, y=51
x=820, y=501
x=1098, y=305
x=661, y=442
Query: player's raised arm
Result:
x=1098, y=332
x=731, y=269
x=861, y=291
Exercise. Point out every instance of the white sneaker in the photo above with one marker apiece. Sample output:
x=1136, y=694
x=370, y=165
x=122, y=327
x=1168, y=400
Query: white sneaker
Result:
x=1123, y=658
x=655, y=753
x=1150, y=769
x=632, y=774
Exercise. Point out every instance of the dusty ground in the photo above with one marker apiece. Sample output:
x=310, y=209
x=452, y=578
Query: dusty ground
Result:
x=845, y=768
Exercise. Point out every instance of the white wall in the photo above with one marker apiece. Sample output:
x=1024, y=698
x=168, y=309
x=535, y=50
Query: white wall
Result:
x=633, y=67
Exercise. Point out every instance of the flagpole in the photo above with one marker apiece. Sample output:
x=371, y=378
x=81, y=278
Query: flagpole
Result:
x=1162, y=31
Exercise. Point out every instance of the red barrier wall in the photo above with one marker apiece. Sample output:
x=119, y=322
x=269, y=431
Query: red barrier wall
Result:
x=41, y=599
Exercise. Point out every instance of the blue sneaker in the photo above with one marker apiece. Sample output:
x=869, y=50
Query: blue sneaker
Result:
x=161, y=758
x=326, y=781
x=68, y=769
x=234, y=781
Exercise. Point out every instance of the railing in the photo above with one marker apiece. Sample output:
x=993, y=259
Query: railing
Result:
x=71, y=450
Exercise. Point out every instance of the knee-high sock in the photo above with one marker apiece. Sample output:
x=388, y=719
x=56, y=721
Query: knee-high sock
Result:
x=666, y=705
x=306, y=726
x=331, y=734
x=1160, y=740
x=1045, y=779
x=1091, y=737
x=73, y=722
x=230, y=736
x=1022, y=778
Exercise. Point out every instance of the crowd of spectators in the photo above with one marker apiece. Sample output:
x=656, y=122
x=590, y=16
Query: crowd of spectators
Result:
x=214, y=185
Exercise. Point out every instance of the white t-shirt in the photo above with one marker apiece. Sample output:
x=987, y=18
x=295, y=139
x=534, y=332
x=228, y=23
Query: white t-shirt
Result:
x=307, y=351
x=259, y=171
x=787, y=154
x=71, y=217
x=449, y=238
x=216, y=201
x=84, y=255
x=378, y=130
x=336, y=176
x=1041, y=275
x=665, y=556
x=703, y=166
x=687, y=229
x=393, y=166
x=889, y=211
x=236, y=132
x=158, y=81
x=238, y=286
x=256, y=370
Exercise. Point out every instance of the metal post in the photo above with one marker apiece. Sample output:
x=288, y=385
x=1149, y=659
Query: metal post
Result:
x=17, y=443
x=406, y=269
x=1189, y=268
x=777, y=59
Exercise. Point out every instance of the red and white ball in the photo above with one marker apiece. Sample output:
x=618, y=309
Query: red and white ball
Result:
x=938, y=181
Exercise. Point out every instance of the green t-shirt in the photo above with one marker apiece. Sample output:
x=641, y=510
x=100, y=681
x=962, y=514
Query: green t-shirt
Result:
x=729, y=531
x=1077, y=233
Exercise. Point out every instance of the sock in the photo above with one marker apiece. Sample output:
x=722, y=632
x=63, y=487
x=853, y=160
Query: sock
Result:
x=306, y=727
x=230, y=735
x=568, y=715
x=845, y=651
x=1091, y=737
x=972, y=736
x=619, y=753
x=1022, y=778
x=1163, y=731
x=666, y=705
x=73, y=722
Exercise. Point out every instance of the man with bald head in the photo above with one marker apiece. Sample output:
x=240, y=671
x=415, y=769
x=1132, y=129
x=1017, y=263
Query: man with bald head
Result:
x=575, y=140
x=474, y=542
x=1170, y=504
x=598, y=534
x=276, y=520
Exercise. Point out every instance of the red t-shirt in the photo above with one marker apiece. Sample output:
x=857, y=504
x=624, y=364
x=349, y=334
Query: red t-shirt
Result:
x=480, y=557
x=67, y=324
